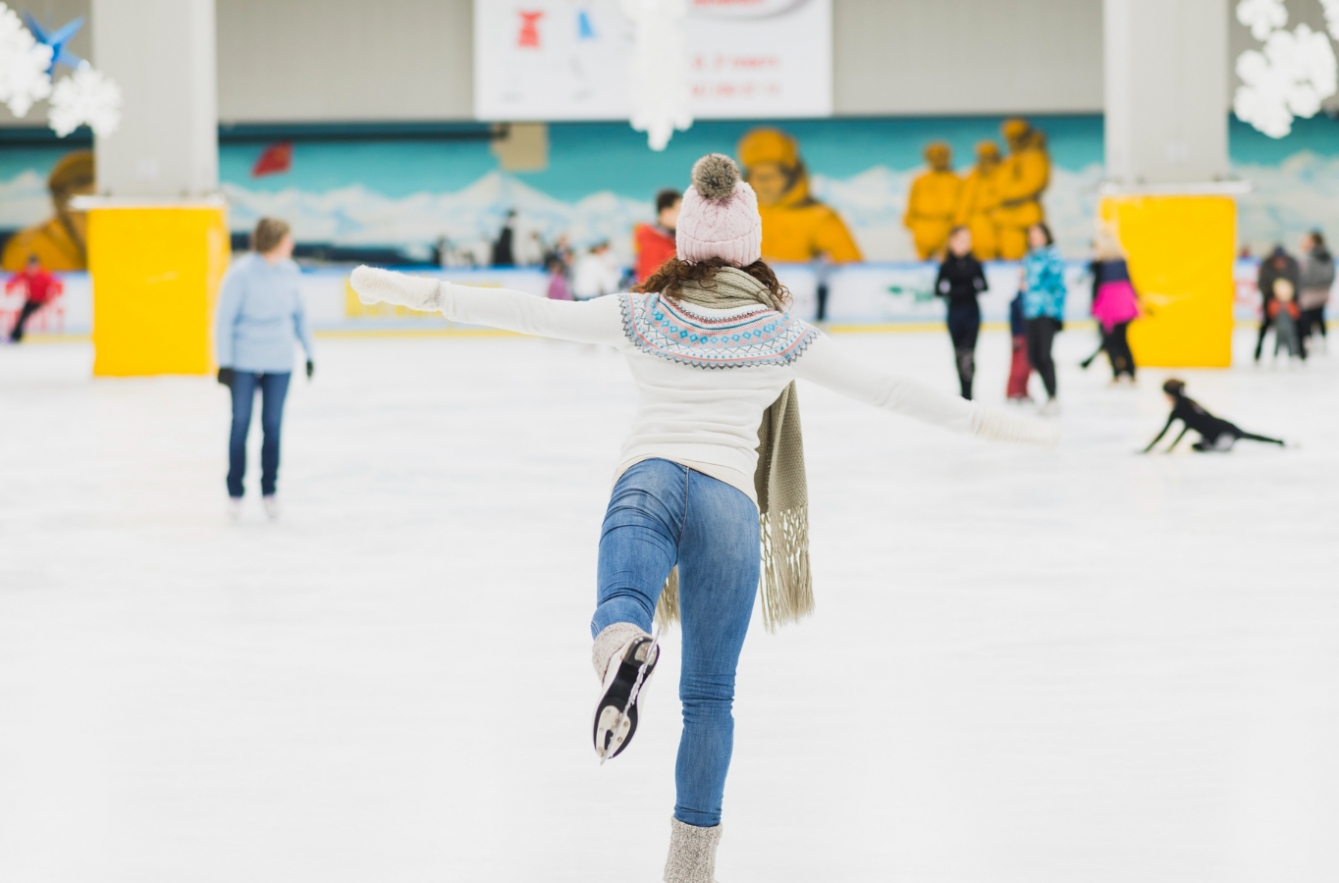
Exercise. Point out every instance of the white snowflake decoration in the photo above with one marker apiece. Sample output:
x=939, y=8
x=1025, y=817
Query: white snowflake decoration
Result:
x=86, y=97
x=1263, y=17
x=23, y=65
x=659, y=76
x=1290, y=78
x=1331, y=16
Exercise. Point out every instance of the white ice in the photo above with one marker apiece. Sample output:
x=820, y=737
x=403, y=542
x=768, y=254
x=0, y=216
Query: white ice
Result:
x=1026, y=665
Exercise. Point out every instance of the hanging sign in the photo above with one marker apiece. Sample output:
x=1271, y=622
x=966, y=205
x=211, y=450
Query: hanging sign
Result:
x=570, y=59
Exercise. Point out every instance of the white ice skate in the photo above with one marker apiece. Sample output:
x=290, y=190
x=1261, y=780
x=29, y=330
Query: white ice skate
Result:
x=628, y=657
x=272, y=508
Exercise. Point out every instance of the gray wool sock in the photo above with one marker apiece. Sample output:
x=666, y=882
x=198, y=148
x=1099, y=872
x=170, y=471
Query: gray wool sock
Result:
x=692, y=854
x=610, y=641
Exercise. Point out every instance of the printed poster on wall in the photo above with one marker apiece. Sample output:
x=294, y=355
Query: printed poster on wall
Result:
x=569, y=59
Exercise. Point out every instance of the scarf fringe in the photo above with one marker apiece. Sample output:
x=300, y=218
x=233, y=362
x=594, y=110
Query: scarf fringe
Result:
x=785, y=585
x=667, y=608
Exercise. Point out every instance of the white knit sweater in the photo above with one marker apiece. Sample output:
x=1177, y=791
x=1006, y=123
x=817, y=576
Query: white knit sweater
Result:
x=703, y=377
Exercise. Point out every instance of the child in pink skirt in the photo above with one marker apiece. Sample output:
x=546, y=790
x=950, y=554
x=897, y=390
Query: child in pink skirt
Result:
x=558, y=288
x=1115, y=305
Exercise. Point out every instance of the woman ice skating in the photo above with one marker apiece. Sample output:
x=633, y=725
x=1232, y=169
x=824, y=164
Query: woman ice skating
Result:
x=1215, y=433
x=1115, y=304
x=260, y=318
x=1317, y=279
x=709, y=506
x=961, y=280
x=1043, y=306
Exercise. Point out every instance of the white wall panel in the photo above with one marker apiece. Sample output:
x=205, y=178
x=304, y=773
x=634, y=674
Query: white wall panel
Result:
x=967, y=56
x=317, y=60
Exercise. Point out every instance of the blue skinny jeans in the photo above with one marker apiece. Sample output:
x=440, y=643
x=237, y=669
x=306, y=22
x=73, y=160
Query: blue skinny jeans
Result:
x=660, y=514
x=273, y=390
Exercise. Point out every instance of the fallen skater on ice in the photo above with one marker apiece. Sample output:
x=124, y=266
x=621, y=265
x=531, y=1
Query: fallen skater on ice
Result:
x=709, y=508
x=1216, y=434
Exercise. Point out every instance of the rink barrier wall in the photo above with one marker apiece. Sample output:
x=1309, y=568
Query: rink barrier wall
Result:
x=863, y=298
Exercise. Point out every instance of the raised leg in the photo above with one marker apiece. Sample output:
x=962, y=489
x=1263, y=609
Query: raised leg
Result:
x=639, y=543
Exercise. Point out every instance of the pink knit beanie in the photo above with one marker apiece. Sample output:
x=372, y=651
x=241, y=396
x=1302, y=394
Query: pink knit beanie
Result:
x=719, y=217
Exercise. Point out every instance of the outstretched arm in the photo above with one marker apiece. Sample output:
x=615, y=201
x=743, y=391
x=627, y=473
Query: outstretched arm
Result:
x=1171, y=447
x=594, y=321
x=1170, y=419
x=825, y=364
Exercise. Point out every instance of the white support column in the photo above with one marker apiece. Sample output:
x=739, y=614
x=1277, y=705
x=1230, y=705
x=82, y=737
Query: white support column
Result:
x=157, y=232
x=1167, y=169
x=162, y=54
x=1166, y=97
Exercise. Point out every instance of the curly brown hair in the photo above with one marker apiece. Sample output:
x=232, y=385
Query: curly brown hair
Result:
x=671, y=276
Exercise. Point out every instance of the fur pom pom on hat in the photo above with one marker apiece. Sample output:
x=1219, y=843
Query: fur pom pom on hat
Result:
x=719, y=217
x=715, y=176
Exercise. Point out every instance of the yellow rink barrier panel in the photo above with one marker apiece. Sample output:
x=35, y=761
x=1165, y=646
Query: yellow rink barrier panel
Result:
x=156, y=272
x=1181, y=251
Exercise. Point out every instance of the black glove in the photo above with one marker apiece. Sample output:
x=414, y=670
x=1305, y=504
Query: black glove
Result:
x=225, y=377
x=311, y=369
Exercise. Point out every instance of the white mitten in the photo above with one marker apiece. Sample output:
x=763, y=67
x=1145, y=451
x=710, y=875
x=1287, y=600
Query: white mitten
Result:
x=383, y=286
x=998, y=425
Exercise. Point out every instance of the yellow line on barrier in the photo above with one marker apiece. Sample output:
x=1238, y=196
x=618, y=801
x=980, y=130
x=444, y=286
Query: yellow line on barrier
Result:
x=56, y=338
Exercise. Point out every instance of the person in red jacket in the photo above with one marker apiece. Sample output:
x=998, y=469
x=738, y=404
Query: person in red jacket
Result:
x=40, y=288
x=655, y=242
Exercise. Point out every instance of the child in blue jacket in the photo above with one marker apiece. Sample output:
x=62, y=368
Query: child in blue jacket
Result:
x=1043, y=306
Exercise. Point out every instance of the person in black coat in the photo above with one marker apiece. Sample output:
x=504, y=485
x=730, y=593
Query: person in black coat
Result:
x=961, y=280
x=504, y=250
x=1216, y=434
x=1279, y=265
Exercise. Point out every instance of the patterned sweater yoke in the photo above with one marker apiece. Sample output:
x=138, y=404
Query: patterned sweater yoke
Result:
x=747, y=337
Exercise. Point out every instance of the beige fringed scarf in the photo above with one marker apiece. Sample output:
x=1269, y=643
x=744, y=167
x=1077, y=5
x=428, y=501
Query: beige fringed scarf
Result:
x=783, y=493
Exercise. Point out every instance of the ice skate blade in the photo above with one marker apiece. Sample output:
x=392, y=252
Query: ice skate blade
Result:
x=616, y=714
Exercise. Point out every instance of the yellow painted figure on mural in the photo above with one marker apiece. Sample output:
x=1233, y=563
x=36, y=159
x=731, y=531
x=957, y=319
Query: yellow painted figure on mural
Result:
x=58, y=242
x=1023, y=179
x=795, y=226
x=979, y=201
x=932, y=201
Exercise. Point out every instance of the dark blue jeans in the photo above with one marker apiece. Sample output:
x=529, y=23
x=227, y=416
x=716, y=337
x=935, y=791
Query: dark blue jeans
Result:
x=273, y=391
x=661, y=514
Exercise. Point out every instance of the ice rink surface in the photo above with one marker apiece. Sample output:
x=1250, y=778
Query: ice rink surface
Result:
x=1026, y=665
